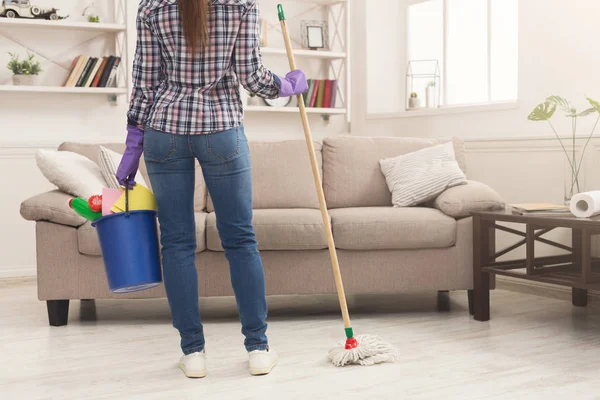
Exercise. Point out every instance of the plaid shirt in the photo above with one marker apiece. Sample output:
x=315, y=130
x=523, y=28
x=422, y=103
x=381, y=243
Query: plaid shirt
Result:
x=176, y=92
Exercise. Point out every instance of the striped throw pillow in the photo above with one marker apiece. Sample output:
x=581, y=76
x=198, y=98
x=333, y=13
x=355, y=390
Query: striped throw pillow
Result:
x=109, y=162
x=417, y=177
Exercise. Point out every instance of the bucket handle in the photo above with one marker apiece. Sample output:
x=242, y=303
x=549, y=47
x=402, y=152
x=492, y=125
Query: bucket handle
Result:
x=127, y=197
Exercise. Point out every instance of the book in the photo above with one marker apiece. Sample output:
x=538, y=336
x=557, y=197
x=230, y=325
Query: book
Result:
x=547, y=214
x=327, y=95
x=70, y=71
x=112, y=78
x=84, y=71
x=86, y=77
x=77, y=71
x=93, y=72
x=107, y=70
x=531, y=208
x=320, y=95
x=334, y=90
x=99, y=72
x=308, y=94
x=313, y=98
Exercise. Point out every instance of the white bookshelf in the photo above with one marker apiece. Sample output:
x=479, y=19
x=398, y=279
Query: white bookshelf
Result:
x=309, y=110
x=114, y=91
x=333, y=63
x=118, y=30
x=62, y=25
x=328, y=55
x=323, y=2
x=336, y=62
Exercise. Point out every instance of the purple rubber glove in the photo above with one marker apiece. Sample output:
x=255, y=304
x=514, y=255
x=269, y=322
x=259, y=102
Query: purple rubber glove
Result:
x=294, y=83
x=131, y=158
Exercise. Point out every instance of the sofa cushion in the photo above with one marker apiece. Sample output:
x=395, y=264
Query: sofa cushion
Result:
x=281, y=175
x=89, y=244
x=51, y=206
x=378, y=228
x=461, y=201
x=278, y=229
x=70, y=172
x=109, y=162
x=418, y=177
x=92, y=151
x=201, y=193
x=351, y=172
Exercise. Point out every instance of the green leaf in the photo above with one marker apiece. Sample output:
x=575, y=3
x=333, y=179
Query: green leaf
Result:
x=594, y=104
x=543, y=112
x=561, y=102
x=586, y=112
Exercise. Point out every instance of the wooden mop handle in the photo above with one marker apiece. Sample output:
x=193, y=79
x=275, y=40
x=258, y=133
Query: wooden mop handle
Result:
x=315, y=169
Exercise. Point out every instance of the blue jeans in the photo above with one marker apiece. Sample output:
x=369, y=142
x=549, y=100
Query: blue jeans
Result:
x=225, y=161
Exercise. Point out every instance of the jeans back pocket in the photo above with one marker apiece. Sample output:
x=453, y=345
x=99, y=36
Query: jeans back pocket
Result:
x=224, y=145
x=158, y=146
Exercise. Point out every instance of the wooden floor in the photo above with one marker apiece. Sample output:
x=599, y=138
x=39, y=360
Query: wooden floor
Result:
x=533, y=348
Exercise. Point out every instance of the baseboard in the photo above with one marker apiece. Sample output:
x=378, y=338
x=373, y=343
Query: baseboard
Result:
x=538, y=288
x=17, y=272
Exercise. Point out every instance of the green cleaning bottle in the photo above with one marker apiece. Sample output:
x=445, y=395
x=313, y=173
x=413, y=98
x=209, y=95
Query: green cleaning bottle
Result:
x=81, y=207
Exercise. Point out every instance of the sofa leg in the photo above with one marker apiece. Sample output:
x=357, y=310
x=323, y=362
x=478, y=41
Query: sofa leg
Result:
x=470, y=297
x=443, y=300
x=58, y=312
x=579, y=297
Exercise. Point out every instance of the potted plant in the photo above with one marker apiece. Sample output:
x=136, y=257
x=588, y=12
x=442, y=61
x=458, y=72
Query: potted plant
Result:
x=23, y=71
x=414, y=101
x=90, y=13
x=430, y=94
x=544, y=112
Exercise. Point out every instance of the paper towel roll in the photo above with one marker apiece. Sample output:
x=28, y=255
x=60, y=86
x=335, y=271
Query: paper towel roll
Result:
x=586, y=205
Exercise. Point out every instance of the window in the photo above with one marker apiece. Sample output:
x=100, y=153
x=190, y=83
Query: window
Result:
x=475, y=43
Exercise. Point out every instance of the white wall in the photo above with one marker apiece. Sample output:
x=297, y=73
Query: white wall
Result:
x=557, y=55
x=31, y=121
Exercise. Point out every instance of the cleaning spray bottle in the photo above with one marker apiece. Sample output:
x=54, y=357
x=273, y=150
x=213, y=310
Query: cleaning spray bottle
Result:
x=81, y=207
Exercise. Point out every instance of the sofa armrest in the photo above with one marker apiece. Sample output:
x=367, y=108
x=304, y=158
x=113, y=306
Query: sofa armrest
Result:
x=51, y=206
x=460, y=201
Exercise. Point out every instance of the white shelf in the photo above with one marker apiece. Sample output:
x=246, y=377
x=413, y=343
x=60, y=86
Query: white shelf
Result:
x=309, y=110
x=62, y=24
x=322, y=2
x=330, y=55
x=60, y=89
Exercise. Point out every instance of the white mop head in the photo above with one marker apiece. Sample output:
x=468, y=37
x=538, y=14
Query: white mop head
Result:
x=371, y=350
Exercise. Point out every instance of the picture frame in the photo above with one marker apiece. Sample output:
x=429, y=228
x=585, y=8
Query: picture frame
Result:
x=315, y=35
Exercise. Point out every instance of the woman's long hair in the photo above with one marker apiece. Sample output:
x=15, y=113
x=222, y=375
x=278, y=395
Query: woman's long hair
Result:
x=194, y=21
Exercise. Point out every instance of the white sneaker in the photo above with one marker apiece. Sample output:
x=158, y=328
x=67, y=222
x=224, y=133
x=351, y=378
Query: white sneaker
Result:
x=194, y=365
x=262, y=361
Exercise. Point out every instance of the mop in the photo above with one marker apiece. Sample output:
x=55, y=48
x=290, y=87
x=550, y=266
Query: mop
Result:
x=362, y=349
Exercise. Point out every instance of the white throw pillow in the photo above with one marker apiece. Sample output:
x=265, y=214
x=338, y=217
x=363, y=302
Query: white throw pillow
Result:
x=109, y=162
x=417, y=177
x=72, y=173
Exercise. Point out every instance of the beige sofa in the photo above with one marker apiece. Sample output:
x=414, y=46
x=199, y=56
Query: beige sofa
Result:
x=381, y=248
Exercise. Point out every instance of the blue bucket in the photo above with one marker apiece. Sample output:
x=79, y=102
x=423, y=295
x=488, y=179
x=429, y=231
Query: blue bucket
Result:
x=129, y=243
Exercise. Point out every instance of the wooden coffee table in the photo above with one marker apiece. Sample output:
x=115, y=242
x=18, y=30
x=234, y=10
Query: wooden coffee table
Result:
x=576, y=269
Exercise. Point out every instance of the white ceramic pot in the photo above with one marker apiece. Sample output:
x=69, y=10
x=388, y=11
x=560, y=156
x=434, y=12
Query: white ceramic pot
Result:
x=23, y=80
x=253, y=101
x=414, y=102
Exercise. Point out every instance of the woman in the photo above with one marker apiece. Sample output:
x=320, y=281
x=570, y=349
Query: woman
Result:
x=191, y=57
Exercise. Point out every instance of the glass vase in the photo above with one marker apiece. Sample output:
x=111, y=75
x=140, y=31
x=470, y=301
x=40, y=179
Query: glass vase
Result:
x=573, y=182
